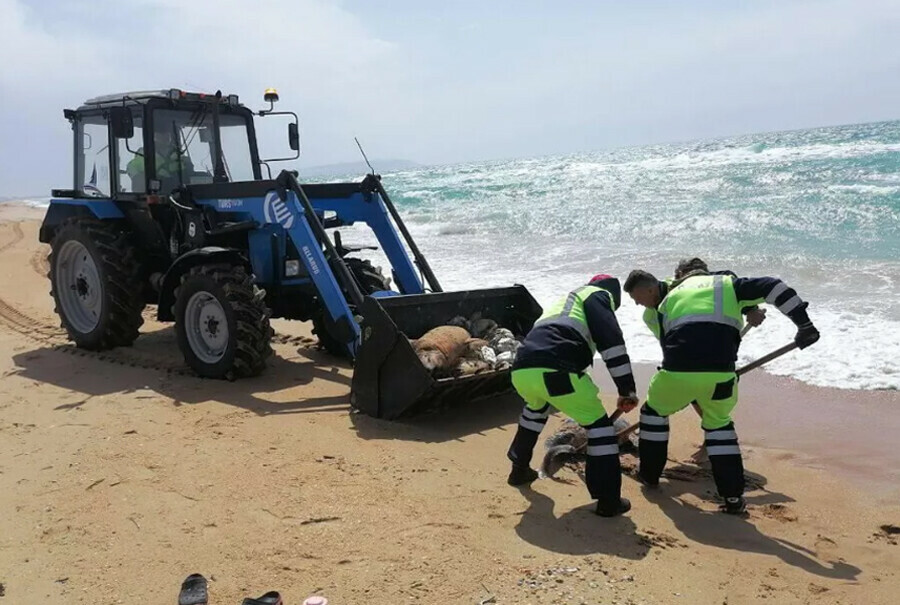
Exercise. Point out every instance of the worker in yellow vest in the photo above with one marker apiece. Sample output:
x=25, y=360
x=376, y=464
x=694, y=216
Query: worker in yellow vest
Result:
x=173, y=164
x=753, y=314
x=551, y=370
x=698, y=322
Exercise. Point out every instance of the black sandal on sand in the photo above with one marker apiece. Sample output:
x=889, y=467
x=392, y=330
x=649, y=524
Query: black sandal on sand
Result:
x=270, y=598
x=193, y=591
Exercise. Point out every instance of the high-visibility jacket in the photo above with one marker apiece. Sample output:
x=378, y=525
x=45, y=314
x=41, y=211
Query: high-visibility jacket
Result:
x=166, y=166
x=700, y=319
x=701, y=299
x=569, y=311
x=572, y=330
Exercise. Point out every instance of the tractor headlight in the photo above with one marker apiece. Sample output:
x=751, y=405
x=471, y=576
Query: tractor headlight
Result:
x=291, y=268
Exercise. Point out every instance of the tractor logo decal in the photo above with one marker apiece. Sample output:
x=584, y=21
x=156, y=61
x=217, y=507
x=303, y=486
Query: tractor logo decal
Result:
x=229, y=204
x=276, y=211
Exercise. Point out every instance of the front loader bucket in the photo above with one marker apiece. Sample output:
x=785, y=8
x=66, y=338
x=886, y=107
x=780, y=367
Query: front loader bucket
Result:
x=388, y=378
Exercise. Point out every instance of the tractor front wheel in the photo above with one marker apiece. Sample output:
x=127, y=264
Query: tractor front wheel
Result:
x=222, y=323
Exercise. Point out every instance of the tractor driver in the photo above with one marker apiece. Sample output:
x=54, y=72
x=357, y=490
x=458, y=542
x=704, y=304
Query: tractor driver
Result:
x=168, y=156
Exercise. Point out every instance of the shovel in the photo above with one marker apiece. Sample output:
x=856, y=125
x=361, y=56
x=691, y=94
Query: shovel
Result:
x=740, y=371
x=623, y=433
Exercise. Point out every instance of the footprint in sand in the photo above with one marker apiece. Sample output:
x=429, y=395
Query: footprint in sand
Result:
x=653, y=538
x=766, y=590
x=824, y=545
x=887, y=533
x=779, y=512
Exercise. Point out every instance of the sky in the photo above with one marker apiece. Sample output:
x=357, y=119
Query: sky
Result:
x=451, y=81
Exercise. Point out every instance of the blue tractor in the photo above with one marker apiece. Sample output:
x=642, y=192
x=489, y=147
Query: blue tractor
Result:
x=170, y=207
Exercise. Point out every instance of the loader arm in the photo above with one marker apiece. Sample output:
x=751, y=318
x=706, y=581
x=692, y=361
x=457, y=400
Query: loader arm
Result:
x=292, y=212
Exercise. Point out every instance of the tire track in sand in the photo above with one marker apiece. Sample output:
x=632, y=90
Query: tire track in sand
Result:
x=40, y=263
x=15, y=319
x=18, y=235
x=55, y=338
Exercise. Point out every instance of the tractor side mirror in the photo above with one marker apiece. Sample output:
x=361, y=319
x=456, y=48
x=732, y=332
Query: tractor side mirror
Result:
x=122, y=122
x=205, y=135
x=293, y=136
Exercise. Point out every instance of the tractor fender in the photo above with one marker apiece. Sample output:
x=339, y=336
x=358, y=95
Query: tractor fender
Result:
x=186, y=262
x=62, y=210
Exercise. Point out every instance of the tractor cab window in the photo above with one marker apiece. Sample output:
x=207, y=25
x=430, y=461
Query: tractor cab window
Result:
x=132, y=178
x=236, y=149
x=183, y=144
x=92, y=169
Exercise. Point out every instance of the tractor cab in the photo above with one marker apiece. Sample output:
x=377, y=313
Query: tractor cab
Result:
x=135, y=144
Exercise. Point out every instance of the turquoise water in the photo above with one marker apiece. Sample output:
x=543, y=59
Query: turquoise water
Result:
x=819, y=208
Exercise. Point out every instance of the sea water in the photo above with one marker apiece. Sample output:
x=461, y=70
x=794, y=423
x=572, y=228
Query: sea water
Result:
x=819, y=208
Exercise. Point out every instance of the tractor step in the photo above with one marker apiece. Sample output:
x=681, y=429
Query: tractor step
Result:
x=390, y=381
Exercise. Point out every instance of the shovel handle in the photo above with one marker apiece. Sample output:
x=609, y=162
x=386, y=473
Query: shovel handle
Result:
x=766, y=358
x=627, y=431
x=742, y=370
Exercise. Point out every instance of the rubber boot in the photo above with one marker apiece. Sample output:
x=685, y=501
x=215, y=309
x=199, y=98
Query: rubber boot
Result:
x=615, y=510
x=521, y=475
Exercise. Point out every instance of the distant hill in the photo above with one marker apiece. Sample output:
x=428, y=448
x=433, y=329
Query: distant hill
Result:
x=359, y=168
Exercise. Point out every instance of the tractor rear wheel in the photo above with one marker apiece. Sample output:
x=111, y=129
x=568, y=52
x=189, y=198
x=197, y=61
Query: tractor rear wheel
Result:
x=222, y=322
x=370, y=280
x=96, y=284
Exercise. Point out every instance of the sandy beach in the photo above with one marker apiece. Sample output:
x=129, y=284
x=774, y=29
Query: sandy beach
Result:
x=121, y=473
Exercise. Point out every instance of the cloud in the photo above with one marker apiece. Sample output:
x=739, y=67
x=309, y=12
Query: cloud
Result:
x=320, y=57
x=443, y=84
x=633, y=77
